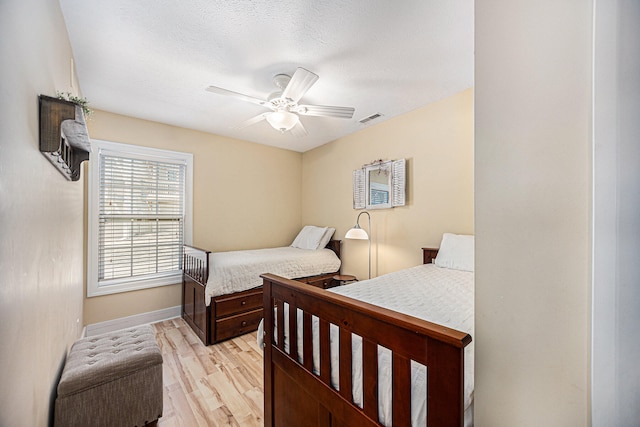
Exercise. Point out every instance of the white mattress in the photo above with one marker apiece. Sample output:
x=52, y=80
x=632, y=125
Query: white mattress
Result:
x=439, y=295
x=237, y=271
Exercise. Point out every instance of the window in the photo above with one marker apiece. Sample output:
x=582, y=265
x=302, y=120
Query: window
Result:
x=139, y=216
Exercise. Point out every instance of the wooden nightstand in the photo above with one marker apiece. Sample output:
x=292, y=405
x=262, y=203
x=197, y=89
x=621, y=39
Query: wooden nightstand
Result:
x=343, y=279
x=323, y=281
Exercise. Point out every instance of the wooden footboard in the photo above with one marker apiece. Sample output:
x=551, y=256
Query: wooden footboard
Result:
x=195, y=271
x=295, y=395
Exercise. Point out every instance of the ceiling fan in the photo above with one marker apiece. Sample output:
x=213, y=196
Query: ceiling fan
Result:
x=284, y=103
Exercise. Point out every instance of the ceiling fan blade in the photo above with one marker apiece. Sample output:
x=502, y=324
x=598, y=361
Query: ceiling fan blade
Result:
x=298, y=130
x=300, y=83
x=253, y=120
x=221, y=91
x=326, y=111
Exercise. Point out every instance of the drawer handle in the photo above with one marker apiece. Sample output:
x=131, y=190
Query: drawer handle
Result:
x=243, y=303
x=244, y=323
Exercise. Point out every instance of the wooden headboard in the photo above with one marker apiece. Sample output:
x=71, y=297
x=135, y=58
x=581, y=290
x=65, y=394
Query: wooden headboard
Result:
x=334, y=245
x=429, y=255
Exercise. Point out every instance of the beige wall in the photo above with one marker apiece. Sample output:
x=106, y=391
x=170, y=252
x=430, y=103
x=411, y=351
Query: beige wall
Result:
x=246, y=196
x=269, y=190
x=533, y=183
x=41, y=269
x=437, y=141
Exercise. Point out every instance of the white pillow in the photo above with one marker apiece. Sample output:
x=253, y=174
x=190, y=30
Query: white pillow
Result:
x=327, y=236
x=456, y=252
x=309, y=237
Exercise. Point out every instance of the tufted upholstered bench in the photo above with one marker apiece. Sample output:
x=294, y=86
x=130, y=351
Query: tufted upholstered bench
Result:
x=113, y=379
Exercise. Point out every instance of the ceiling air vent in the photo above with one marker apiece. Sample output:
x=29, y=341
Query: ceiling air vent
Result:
x=371, y=117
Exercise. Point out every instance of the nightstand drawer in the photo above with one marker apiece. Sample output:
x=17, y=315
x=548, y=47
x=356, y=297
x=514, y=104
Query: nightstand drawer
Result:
x=239, y=324
x=238, y=303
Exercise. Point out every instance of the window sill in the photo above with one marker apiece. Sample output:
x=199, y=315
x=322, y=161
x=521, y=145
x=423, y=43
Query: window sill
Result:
x=114, y=287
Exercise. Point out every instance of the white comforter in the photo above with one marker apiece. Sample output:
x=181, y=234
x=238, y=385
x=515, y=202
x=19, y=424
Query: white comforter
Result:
x=439, y=295
x=237, y=271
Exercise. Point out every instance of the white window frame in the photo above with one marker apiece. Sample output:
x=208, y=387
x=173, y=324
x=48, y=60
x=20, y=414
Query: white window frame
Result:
x=101, y=147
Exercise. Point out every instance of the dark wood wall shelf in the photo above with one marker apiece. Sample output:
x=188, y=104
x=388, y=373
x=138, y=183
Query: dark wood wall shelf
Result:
x=64, y=139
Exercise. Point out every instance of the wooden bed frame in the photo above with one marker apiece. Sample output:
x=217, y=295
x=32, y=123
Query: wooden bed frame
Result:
x=230, y=315
x=295, y=396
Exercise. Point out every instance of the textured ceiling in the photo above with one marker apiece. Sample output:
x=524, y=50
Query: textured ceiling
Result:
x=153, y=59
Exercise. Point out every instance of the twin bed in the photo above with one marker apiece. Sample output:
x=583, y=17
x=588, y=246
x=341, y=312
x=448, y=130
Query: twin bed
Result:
x=222, y=292
x=394, y=350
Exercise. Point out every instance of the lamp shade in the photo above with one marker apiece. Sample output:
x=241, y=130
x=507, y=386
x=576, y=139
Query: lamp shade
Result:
x=282, y=120
x=357, y=233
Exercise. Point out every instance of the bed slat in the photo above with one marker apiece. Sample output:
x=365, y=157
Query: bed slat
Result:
x=325, y=353
x=307, y=340
x=370, y=378
x=401, y=390
x=279, y=306
x=293, y=330
x=345, y=367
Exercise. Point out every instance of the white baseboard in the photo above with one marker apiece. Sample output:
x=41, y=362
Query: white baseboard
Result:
x=135, y=320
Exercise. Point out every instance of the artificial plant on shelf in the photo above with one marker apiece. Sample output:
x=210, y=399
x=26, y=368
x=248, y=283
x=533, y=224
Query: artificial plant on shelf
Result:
x=82, y=102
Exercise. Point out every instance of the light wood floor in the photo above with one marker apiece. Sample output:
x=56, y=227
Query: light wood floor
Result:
x=218, y=385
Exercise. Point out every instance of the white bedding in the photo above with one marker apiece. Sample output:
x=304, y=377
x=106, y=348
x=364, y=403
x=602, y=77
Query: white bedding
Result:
x=237, y=271
x=436, y=294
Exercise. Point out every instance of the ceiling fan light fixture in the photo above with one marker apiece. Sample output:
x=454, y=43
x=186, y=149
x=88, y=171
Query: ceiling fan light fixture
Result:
x=282, y=120
x=284, y=103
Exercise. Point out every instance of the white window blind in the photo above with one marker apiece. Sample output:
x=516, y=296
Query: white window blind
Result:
x=139, y=217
